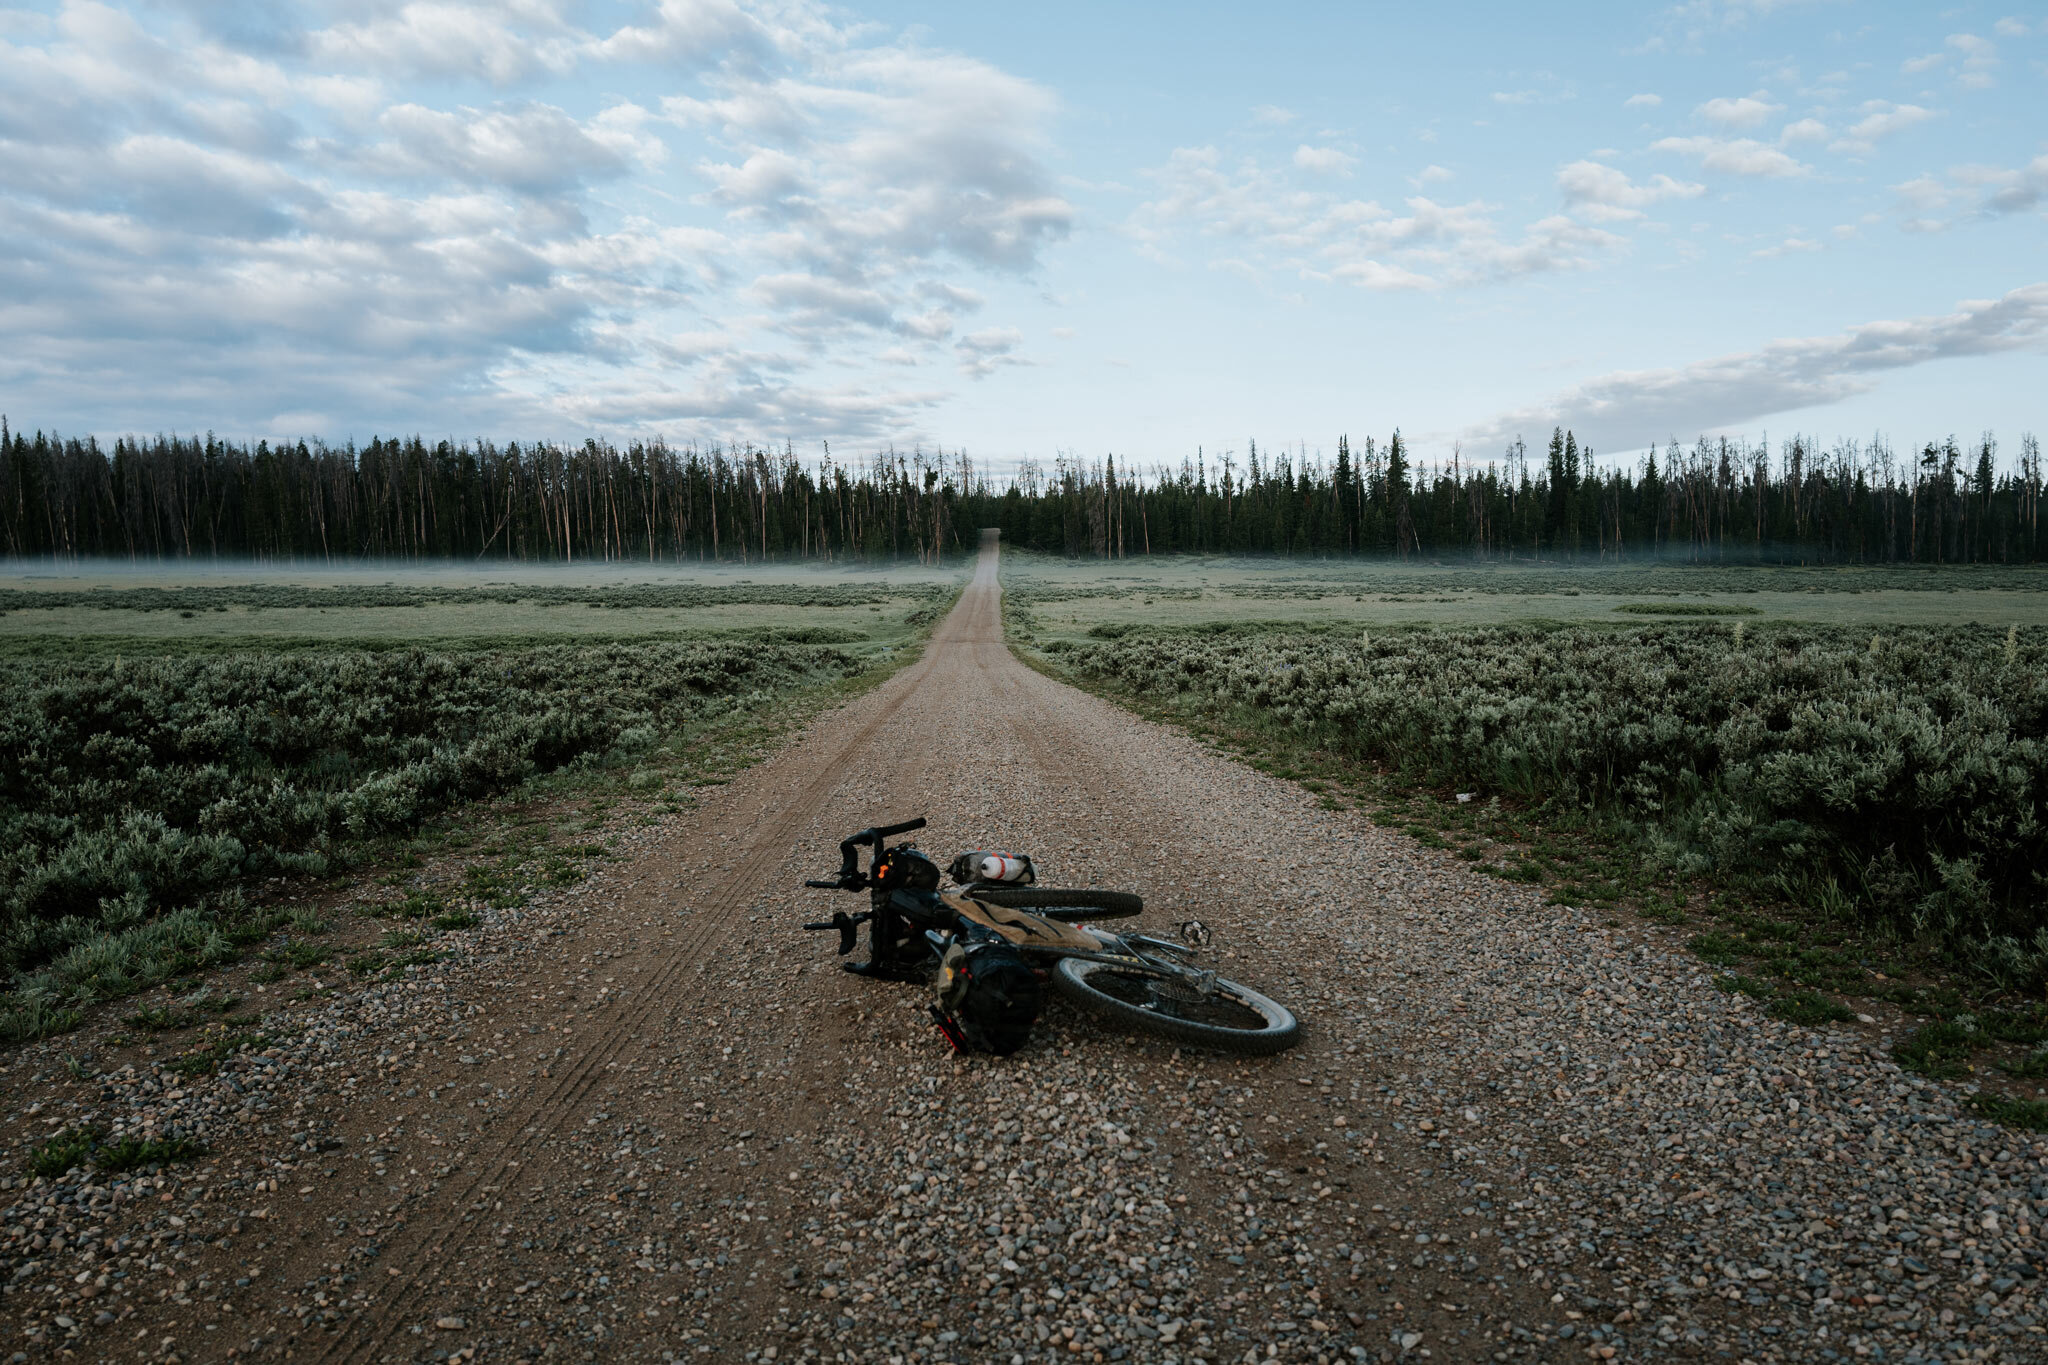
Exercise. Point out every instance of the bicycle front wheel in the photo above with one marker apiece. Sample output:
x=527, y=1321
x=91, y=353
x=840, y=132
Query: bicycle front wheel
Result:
x=1229, y=1018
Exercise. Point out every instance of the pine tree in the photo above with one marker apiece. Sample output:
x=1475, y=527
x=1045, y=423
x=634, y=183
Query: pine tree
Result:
x=1342, y=489
x=1554, y=510
x=1397, y=496
x=1573, y=483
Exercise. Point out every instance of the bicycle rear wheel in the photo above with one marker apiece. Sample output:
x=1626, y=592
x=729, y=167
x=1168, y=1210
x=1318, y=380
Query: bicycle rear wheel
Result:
x=1230, y=1018
x=1067, y=906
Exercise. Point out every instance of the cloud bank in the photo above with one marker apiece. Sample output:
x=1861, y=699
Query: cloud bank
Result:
x=1268, y=222
x=1624, y=409
x=428, y=211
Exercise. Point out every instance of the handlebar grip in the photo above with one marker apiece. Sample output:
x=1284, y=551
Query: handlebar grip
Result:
x=823, y=886
x=904, y=828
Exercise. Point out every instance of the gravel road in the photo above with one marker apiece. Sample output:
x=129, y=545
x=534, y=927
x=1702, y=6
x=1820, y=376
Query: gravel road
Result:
x=646, y=1119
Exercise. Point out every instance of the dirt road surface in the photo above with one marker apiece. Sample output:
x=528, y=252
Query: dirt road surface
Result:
x=649, y=1120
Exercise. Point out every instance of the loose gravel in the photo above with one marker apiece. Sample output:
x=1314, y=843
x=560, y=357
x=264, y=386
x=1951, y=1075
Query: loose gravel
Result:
x=648, y=1119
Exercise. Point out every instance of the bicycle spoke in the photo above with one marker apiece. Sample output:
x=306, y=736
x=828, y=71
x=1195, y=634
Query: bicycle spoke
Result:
x=1170, y=996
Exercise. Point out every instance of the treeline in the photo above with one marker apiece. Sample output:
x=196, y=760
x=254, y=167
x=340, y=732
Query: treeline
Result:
x=1718, y=499
x=177, y=497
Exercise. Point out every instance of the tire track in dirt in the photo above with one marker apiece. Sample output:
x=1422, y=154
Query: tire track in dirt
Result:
x=820, y=775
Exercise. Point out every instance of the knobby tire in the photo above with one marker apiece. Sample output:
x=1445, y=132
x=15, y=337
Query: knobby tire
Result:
x=1238, y=1019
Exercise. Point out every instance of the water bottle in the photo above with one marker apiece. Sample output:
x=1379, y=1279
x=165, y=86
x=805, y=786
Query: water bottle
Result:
x=1002, y=867
x=980, y=865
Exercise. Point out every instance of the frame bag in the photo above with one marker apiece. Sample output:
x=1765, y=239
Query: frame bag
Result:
x=989, y=997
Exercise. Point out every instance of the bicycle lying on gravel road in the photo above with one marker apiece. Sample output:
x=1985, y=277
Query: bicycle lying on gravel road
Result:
x=996, y=940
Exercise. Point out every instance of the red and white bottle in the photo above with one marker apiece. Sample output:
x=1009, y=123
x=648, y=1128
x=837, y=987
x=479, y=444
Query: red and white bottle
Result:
x=1001, y=867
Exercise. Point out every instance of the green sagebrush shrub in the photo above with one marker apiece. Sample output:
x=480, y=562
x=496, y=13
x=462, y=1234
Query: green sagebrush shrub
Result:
x=1905, y=776
x=133, y=793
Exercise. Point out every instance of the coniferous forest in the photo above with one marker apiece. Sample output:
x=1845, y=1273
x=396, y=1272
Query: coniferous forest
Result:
x=1794, y=500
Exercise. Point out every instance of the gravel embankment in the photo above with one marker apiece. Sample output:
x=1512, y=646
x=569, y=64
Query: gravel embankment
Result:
x=652, y=1121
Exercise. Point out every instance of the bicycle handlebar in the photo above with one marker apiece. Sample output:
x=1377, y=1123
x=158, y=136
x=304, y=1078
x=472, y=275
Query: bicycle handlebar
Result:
x=850, y=877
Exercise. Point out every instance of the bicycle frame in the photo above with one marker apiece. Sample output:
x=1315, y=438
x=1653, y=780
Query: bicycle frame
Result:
x=907, y=922
x=1167, y=957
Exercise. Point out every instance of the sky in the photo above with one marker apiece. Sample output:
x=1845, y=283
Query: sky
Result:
x=1025, y=230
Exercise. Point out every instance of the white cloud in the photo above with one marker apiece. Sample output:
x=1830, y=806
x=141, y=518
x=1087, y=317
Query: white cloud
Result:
x=1607, y=195
x=1920, y=66
x=533, y=149
x=1642, y=101
x=1322, y=236
x=891, y=154
x=1804, y=130
x=1378, y=275
x=1323, y=160
x=696, y=33
x=496, y=44
x=1272, y=115
x=1432, y=175
x=2015, y=191
x=983, y=353
x=1922, y=198
x=1627, y=407
x=1791, y=246
x=811, y=306
x=410, y=213
x=1881, y=119
x=1986, y=191
x=1980, y=58
x=2012, y=28
x=1734, y=156
x=1749, y=111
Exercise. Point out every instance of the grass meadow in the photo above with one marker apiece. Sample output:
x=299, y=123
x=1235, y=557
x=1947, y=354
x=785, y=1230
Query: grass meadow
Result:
x=1066, y=599
x=108, y=608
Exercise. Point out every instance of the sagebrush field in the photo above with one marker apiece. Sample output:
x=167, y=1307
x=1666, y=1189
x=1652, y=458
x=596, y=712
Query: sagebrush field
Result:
x=1849, y=764
x=1901, y=772
x=162, y=746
